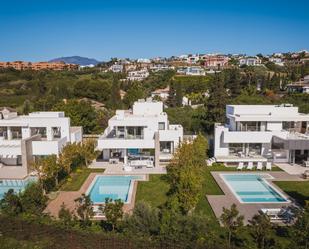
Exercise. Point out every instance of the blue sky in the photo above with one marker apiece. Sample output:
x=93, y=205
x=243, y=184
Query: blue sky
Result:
x=40, y=30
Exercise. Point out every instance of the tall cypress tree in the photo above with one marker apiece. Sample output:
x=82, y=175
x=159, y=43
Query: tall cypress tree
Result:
x=233, y=82
x=171, y=101
x=218, y=98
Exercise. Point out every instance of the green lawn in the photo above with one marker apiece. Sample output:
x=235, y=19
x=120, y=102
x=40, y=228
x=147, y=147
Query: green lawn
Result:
x=78, y=178
x=297, y=190
x=153, y=191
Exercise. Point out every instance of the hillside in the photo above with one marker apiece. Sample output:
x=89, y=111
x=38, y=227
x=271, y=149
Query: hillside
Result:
x=82, y=61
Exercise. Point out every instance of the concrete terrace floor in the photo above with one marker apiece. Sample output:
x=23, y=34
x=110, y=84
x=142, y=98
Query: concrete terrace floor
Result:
x=292, y=169
x=68, y=197
x=217, y=202
x=117, y=169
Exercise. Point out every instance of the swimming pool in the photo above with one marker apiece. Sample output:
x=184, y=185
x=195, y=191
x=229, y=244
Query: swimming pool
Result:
x=17, y=185
x=114, y=187
x=253, y=188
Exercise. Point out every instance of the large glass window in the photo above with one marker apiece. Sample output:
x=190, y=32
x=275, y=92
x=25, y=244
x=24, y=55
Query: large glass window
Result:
x=255, y=149
x=3, y=132
x=161, y=126
x=248, y=126
x=236, y=149
x=56, y=132
x=135, y=132
x=288, y=125
x=166, y=147
x=16, y=132
x=38, y=131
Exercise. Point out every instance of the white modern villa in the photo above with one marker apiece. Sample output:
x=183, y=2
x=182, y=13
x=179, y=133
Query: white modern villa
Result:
x=260, y=133
x=140, y=137
x=23, y=138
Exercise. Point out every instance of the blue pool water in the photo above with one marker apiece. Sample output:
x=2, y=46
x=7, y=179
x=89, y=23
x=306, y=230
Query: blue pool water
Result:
x=114, y=187
x=252, y=188
x=15, y=184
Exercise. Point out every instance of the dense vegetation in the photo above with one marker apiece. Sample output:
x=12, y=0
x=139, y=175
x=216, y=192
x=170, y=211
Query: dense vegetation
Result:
x=178, y=220
x=72, y=91
x=177, y=217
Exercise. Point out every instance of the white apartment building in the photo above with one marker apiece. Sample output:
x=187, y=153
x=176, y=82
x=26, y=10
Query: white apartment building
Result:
x=116, y=68
x=163, y=93
x=138, y=75
x=141, y=136
x=301, y=86
x=161, y=67
x=250, y=61
x=277, y=133
x=193, y=71
x=277, y=61
x=22, y=138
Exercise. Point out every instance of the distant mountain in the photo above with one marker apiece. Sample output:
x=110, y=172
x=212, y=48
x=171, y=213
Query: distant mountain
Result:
x=82, y=61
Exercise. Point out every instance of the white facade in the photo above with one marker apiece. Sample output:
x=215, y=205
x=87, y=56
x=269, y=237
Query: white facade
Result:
x=250, y=61
x=161, y=67
x=116, y=68
x=261, y=133
x=162, y=93
x=277, y=61
x=138, y=75
x=193, y=71
x=37, y=134
x=143, y=131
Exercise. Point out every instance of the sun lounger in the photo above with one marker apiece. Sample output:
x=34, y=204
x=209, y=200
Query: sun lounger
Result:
x=240, y=166
x=259, y=166
x=278, y=214
x=250, y=165
x=268, y=166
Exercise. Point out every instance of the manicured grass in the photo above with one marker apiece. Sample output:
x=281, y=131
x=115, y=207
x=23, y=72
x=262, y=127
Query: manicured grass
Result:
x=78, y=178
x=297, y=190
x=153, y=191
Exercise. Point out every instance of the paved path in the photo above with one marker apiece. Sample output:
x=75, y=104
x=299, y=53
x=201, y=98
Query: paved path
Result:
x=292, y=169
x=217, y=202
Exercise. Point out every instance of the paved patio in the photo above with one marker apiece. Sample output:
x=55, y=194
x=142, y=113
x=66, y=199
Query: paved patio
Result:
x=217, y=202
x=117, y=169
x=13, y=172
x=68, y=197
x=295, y=169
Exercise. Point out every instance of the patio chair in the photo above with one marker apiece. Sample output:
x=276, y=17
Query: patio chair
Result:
x=259, y=166
x=268, y=166
x=250, y=165
x=240, y=166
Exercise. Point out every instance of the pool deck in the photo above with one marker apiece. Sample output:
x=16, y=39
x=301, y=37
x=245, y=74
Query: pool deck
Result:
x=68, y=197
x=217, y=202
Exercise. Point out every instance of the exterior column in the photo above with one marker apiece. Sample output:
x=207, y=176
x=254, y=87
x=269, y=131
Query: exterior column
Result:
x=49, y=133
x=9, y=133
x=125, y=157
x=157, y=149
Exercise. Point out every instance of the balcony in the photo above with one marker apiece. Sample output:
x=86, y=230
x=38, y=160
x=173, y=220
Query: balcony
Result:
x=121, y=135
x=46, y=147
x=247, y=137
